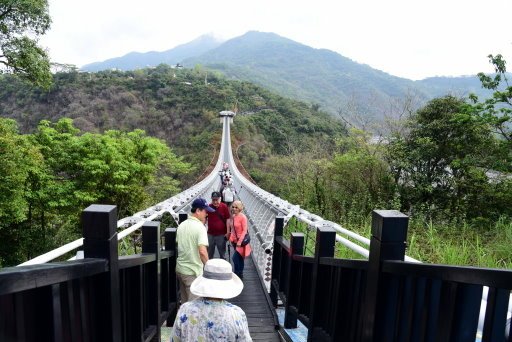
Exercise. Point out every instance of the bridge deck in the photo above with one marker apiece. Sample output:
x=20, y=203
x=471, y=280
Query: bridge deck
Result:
x=253, y=301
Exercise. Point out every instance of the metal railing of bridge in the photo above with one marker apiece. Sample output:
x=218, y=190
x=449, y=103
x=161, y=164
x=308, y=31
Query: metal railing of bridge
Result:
x=261, y=207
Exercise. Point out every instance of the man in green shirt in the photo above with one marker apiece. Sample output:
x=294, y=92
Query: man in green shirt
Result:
x=192, y=240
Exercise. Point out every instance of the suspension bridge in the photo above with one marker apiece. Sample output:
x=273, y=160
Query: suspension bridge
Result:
x=384, y=296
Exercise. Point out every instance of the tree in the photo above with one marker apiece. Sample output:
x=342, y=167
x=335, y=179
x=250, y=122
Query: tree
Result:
x=47, y=178
x=497, y=111
x=21, y=23
x=20, y=163
x=441, y=164
x=112, y=168
x=358, y=178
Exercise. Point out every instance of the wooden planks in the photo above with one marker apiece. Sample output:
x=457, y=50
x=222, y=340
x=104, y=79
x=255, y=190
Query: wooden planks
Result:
x=254, y=302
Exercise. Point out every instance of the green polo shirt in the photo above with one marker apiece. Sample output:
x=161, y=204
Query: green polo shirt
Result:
x=190, y=235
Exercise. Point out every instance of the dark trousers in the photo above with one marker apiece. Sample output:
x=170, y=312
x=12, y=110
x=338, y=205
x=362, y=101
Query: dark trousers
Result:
x=238, y=264
x=220, y=242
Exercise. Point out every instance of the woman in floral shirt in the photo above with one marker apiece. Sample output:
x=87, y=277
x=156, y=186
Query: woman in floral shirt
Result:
x=211, y=317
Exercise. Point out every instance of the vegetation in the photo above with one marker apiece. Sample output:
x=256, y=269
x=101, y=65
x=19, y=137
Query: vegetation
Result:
x=21, y=23
x=170, y=104
x=81, y=143
x=50, y=176
x=449, y=169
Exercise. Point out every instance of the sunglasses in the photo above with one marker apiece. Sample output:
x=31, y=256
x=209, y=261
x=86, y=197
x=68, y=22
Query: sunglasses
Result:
x=236, y=208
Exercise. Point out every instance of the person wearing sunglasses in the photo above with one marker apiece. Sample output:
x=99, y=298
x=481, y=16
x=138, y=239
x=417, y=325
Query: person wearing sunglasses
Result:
x=237, y=231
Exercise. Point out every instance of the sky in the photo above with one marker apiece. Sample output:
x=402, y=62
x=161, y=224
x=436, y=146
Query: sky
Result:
x=413, y=39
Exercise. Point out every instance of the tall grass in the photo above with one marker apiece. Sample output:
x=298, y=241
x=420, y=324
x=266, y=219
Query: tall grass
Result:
x=451, y=243
x=461, y=243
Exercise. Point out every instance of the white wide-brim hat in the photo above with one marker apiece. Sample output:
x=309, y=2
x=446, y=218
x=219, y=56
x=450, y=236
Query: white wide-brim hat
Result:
x=217, y=281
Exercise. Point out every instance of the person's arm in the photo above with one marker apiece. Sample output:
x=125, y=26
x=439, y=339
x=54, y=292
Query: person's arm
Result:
x=203, y=253
x=242, y=329
x=176, y=329
x=243, y=222
x=227, y=213
x=229, y=226
x=202, y=245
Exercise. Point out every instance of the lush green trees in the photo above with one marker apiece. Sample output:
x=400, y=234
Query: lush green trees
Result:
x=49, y=177
x=21, y=23
x=21, y=164
x=359, y=178
x=442, y=166
x=342, y=186
x=429, y=163
x=497, y=112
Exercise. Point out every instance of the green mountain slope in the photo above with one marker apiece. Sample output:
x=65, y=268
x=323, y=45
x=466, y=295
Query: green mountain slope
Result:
x=298, y=71
x=316, y=76
x=174, y=105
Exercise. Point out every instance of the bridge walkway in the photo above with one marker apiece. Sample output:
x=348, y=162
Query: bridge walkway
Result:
x=255, y=302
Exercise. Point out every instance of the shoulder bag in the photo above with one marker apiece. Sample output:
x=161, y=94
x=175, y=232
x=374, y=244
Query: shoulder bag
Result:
x=245, y=241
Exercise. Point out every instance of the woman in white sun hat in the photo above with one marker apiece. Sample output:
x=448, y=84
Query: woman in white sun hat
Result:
x=210, y=317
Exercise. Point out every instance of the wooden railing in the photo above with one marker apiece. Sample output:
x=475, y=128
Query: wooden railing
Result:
x=385, y=298
x=102, y=297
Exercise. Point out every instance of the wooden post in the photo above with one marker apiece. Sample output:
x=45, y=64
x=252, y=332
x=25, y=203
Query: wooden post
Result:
x=276, y=259
x=389, y=234
x=151, y=244
x=172, y=305
x=182, y=216
x=324, y=247
x=170, y=239
x=99, y=226
x=291, y=313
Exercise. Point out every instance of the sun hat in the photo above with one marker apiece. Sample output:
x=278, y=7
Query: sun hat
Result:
x=217, y=281
x=200, y=203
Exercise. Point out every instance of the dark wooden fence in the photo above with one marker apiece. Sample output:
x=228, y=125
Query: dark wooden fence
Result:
x=384, y=298
x=100, y=298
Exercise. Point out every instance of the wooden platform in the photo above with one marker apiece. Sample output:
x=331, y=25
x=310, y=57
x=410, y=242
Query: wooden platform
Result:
x=257, y=307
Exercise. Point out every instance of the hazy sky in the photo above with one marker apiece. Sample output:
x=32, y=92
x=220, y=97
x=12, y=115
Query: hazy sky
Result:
x=407, y=38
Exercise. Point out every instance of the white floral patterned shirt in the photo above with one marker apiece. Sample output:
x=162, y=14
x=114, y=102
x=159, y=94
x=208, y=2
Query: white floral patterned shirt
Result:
x=204, y=320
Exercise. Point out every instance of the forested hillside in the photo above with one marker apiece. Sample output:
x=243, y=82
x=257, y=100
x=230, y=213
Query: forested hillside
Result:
x=170, y=104
x=127, y=138
x=313, y=75
x=322, y=77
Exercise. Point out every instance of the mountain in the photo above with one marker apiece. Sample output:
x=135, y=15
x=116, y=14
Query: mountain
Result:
x=295, y=70
x=459, y=86
x=138, y=60
x=320, y=77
